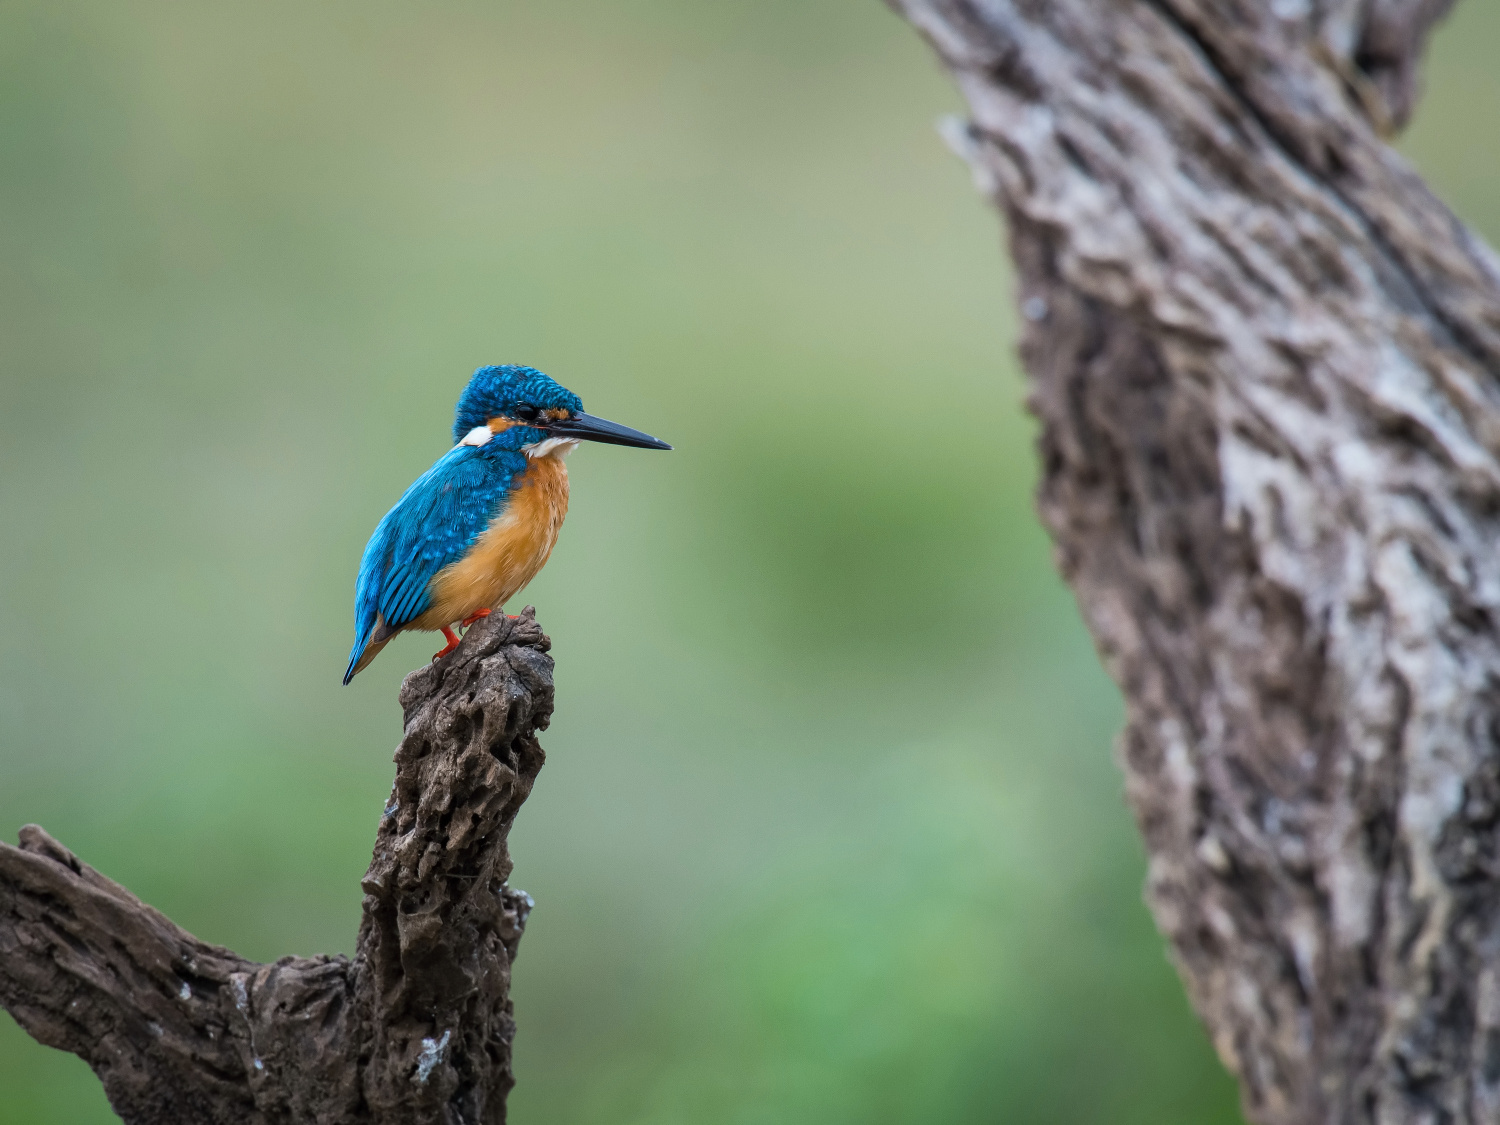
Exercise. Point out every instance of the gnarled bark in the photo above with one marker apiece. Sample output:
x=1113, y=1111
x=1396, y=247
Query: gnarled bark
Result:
x=415, y=1029
x=1267, y=365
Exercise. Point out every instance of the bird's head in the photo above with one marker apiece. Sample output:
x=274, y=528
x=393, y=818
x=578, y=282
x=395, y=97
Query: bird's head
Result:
x=518, y=408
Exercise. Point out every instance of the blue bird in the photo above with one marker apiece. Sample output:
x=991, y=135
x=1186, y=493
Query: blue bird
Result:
x=479, y=524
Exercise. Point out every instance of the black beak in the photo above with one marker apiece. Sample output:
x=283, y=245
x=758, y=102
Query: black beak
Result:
x=589, y=428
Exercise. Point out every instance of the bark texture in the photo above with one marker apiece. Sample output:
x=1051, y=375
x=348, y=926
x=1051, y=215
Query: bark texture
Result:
x=416, y=1029
x=1266, y=362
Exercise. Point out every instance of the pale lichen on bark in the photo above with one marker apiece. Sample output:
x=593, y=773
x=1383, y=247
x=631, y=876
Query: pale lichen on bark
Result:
x=1266, y=361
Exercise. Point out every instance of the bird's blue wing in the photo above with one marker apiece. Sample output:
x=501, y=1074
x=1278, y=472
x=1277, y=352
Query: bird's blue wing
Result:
x=433, y=524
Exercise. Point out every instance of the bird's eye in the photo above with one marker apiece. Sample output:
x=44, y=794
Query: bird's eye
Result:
x=526, y=412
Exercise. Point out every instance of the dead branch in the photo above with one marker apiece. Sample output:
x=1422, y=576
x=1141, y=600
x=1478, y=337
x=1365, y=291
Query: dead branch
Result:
x=415, y=1029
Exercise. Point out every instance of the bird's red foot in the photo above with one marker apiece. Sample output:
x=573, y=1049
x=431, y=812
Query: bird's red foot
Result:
x=453, y=639
x=473, y=617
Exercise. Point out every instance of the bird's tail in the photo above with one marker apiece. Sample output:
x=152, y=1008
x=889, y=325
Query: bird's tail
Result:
x=367, y=646
x=360, y=658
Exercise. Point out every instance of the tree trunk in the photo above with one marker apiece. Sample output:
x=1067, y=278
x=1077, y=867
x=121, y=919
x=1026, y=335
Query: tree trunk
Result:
x=415, y=1030
x=1265, y=361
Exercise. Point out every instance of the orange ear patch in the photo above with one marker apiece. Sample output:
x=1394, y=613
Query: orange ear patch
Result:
x=499, y=425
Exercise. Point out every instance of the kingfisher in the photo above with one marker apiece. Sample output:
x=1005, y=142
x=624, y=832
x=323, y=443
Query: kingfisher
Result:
x=477, y=526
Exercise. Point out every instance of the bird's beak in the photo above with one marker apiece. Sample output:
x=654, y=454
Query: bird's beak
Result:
x=589, y=428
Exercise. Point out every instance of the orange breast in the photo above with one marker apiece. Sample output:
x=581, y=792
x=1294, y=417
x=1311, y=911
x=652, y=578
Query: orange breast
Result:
x=509, y=553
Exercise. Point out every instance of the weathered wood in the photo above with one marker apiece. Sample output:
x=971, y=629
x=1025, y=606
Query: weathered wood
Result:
x=1266, y=361
x=415, y=1029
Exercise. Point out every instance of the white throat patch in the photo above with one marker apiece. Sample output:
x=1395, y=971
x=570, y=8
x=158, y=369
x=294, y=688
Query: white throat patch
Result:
x=558, y=447
x=477, y=436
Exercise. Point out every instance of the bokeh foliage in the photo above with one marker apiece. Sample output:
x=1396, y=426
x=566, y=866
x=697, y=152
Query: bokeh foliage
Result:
x=829, y=831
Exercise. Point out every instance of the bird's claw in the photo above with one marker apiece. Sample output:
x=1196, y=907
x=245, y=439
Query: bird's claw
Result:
x=453, y=639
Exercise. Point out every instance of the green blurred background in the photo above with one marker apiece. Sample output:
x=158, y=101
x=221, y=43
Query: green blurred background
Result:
x=829, y=830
